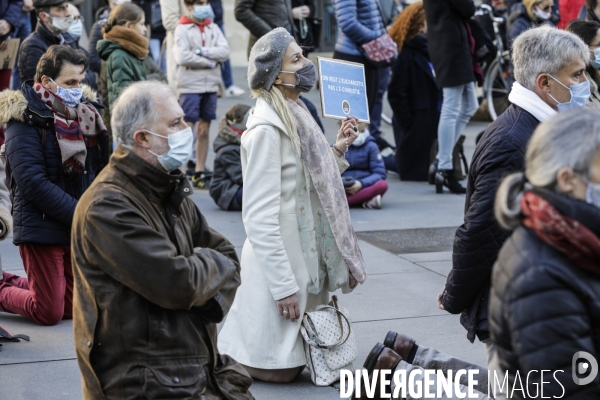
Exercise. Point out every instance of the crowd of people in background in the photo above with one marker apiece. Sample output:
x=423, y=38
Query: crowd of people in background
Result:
x=147, y=93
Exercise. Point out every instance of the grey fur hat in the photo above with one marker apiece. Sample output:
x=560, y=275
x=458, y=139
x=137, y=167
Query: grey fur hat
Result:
x=265, y=58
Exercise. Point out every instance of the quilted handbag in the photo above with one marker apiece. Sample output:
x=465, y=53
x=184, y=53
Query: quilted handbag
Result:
x=329, y=342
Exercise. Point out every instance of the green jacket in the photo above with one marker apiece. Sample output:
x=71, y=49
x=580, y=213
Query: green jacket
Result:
x=122, y=69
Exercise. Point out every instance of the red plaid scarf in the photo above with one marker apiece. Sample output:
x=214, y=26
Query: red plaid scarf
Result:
x=77, y=129
x=570, y=237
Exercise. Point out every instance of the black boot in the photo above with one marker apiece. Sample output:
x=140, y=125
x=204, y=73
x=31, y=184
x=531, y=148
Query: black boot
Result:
x=432, y=171
x=446, y=177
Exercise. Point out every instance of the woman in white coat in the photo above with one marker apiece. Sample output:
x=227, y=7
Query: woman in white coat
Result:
x=301, y=244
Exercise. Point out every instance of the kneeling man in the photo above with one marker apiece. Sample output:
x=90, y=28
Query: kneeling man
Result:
x=152, y=280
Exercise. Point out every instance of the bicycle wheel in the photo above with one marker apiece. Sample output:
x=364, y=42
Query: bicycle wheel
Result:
x=496, y=86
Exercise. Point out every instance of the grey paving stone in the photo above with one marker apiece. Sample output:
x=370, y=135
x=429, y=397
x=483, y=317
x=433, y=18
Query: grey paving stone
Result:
x=419, y=257
x=441, y=267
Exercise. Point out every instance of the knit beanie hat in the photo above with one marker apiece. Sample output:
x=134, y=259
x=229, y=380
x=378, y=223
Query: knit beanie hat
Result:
x=265, y=58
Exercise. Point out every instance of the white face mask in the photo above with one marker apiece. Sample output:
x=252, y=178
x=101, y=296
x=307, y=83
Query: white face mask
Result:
x=362, y=138
x=543, y=15
x=119, y=2
x=60, y=24
x=76, y=29
x=180, y=149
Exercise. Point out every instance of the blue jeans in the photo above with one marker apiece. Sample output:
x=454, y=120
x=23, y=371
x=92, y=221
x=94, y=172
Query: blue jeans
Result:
x=460, y=103
x=226, y=67
x=155, y=47
x=384, y=80
x=21, y=31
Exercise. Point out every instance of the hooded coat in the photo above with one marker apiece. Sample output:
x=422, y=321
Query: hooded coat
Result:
x=152, y=280
x=366, y=164
x=519, y=21
x=544, y=308
x=227, y=178
x=121, y=68
x=42, y=203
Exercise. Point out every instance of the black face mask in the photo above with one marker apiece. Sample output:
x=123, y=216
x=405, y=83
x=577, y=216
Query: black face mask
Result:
x=306, y=77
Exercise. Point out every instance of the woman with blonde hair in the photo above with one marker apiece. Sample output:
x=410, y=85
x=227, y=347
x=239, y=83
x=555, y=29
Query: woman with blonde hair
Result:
x=528, y=14
x=301, y=244
x=413, y=95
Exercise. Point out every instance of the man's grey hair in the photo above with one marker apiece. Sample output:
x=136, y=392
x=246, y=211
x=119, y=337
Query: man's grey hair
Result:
x=545, y=50
x=137, y=108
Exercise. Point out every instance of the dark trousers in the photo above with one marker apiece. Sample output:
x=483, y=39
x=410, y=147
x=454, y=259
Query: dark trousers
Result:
x=46, y=296
x=371, y=76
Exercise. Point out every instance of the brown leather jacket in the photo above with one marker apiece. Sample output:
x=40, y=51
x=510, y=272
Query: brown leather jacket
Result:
x=151, y=282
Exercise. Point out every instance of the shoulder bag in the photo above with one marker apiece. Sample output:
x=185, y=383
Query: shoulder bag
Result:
x=329, y=342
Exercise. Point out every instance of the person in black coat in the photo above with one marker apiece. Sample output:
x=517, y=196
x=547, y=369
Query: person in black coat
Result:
x=48, y=32
x=226, y=186
x=501, y=151
x=544, y=303
x=527, y=15
x=56, y=144
x=413, y=95
x=450, y=51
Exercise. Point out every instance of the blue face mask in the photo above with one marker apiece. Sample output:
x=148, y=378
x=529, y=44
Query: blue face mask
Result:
x=180, y=149
x=203, y=12
x=76, y=29
x=580, y=95
x=596, y=62
x=70, y=96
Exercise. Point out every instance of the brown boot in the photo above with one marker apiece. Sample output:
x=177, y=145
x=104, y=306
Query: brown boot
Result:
x=401, y=344
x=379, y=358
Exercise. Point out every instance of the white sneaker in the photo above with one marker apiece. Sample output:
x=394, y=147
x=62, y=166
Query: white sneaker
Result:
x=234, y=91
x=375, y=203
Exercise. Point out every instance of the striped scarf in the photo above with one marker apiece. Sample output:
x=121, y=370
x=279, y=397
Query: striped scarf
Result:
x=77, y=129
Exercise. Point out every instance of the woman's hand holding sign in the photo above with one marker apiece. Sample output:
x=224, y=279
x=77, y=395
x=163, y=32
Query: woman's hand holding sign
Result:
x=346, y=135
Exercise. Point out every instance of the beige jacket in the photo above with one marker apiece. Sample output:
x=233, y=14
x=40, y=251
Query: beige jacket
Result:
x=171, y=11
x=199, y=74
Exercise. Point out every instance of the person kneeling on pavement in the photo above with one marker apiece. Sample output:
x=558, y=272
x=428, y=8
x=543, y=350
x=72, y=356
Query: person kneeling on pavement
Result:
x=401, y=353
x=364, y=180
x=152, y=278
x=56, y=144
x=226, y=185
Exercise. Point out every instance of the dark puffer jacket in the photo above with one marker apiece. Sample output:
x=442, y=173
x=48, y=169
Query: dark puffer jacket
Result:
x=448, y=40
x=359, y=22
x=34, y=47
x=10, y=11
x=42, y=202
x=262, y=16
x=478, y=240
x=544, y=308
x=366, y=164
x=227, y=178
x=120, y=70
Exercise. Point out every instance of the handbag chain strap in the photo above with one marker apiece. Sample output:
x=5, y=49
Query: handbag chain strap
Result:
x=307, y=326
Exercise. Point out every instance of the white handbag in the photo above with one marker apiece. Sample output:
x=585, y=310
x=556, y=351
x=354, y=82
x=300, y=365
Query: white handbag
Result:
x=329, y=342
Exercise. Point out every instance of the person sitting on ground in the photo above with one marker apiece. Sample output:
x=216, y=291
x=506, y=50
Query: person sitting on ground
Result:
x=544, y=86
x=152, y=278
x=364, y=180
x=546, y=283
x=527, y=15
x=56, y=144
x=589, y=32
x=413, y=94
x=54, y=21
x=401, y=352
x=226, y=185
x=123, y=51
x=200, y=47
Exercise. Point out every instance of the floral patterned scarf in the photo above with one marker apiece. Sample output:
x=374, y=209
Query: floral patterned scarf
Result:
x=325, y=227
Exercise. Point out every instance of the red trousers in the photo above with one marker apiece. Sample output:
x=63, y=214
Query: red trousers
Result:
x=46, y=296
x=366, y=194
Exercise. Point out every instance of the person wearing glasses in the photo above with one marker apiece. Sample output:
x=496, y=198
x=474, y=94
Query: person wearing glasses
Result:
x=528, y=14
x=589, y=32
